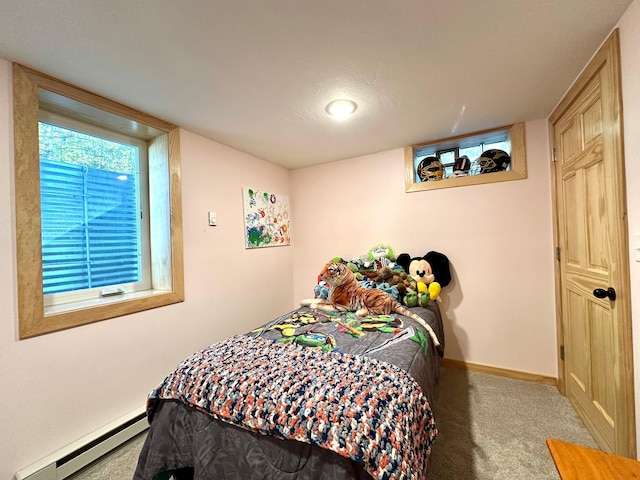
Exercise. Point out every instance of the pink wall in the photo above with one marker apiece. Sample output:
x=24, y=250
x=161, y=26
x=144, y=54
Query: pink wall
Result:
x=60, y=387
x=630, y=59
x=499, y=308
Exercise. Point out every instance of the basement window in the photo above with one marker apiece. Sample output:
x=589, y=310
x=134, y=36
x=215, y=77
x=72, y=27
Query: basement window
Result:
x=481, y=157
x=97, y=207
x=94, y=211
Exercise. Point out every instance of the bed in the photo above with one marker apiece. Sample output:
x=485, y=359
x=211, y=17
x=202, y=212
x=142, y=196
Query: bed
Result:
x=309, y=395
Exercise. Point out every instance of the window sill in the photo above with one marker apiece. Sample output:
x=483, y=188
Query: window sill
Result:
x=470, y=180
x=98, y=302
x=61, y=317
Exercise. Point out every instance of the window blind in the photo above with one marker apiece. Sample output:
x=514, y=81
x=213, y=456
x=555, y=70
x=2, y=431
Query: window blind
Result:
x=90, y=227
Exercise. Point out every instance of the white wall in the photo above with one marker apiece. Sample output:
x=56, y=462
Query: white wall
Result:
x=60, y=387
x=499, y=308
x=630, y=64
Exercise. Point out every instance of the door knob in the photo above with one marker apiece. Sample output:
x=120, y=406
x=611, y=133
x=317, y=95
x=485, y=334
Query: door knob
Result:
x=602, y=293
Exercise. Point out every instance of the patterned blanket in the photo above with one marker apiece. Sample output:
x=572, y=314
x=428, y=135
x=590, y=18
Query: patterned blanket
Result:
x=362, y=408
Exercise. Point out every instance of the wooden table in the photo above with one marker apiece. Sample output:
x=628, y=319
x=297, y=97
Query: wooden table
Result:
x=575, y=462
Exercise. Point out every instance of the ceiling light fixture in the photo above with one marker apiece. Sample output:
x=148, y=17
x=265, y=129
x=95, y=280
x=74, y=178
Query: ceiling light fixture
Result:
x=341, y=108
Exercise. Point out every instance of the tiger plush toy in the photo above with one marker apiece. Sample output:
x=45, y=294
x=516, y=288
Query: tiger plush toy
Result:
x=347, y=295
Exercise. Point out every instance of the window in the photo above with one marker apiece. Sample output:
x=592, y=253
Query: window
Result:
x=491, y=156
x=94, y=211
x=97, y=207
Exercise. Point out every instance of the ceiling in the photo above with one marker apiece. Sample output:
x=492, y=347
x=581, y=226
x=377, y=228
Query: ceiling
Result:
x=256, y=75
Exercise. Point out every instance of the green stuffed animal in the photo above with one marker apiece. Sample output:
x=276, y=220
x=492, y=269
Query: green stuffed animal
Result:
x=381, y=255
x=411, y=298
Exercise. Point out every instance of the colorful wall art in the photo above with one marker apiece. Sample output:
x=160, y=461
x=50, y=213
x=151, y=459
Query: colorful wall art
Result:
x=266, y=218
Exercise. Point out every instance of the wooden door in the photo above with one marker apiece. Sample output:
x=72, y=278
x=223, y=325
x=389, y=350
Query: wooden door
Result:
x=592, y=268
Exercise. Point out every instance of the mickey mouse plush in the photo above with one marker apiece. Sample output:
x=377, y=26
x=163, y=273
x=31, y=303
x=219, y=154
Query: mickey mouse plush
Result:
x=432, y=267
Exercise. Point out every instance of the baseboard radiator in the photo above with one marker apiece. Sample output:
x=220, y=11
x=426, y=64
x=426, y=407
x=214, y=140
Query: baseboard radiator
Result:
x=74, y=457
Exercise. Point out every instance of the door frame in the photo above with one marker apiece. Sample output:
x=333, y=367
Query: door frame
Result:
x=609, y=52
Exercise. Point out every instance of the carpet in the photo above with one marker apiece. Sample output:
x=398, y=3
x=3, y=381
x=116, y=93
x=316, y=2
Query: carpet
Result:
x=495, y=428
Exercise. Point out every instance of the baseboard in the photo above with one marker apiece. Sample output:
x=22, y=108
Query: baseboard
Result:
x=501, y=372
x=74, y=457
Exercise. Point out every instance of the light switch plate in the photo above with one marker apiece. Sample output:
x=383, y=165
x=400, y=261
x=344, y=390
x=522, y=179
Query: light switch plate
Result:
x=213, y=219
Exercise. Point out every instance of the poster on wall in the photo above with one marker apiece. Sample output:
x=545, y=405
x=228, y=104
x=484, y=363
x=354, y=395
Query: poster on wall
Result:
x=266, y=218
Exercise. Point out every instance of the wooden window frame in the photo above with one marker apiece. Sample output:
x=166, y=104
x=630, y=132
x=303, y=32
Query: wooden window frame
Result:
x=518, y=169
x=32, y=91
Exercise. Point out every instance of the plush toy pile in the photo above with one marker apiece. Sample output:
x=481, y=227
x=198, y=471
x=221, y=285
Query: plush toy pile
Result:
x=411, y=280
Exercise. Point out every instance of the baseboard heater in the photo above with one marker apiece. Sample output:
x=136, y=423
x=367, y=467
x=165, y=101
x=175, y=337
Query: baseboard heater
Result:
x=74, y=457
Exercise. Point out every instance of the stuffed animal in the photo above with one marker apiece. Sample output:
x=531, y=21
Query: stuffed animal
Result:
x=411, y=298
x=419, y=268
x=353, y=265
x=381, y=256
x=389, y=275
x=431, y=272
x=432, y=267
x=424, y=294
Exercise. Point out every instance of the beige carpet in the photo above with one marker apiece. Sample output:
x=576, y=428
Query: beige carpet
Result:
x=118, y=465
x=491, y=428
x=494, y=428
